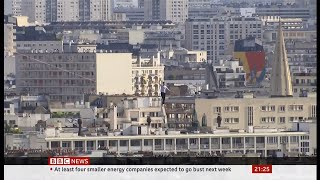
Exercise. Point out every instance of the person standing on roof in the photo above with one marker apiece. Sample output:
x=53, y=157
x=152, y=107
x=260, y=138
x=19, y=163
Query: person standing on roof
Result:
x=163, y=90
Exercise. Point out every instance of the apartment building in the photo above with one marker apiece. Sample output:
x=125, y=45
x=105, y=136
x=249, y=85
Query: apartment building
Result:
x=67, y=76
x=147, y=75
x=199, y=3
x=285, y=11
x=36, y=39
x=193, y=77
x=185, y=56
x=173, y=10
x=180, y=112
x=46, y=11
x=230, y=74
x=248, y=112
x=125, y=4
x=302, y=54
x=9, y=39
x=131, y=14
x=304, y=82
x=287, y=23
x=216, y=35
x=12, y=7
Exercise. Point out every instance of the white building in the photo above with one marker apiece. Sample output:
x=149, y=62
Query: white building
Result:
x=247, y=12
x=263, y=143
x=230, y=74
x=147, y=75
x=134, y=111
x=183, y=55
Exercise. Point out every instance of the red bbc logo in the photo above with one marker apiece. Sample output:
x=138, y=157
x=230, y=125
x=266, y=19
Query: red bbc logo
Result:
x=68, y=161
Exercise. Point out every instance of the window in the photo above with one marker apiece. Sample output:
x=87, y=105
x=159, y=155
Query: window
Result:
x=236, y=108
x=231, y=120
x=295, y=119
x=304, y=137
x=296, y=107
x=272, y=140
x=282, y=120
x=268, y=119
x=282, y=108
x=268, y=108
x=217, y=109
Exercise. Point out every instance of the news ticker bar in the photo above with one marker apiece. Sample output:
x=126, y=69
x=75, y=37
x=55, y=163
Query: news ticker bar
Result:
x=84, y=161
x=169, y=161
x=160, y=172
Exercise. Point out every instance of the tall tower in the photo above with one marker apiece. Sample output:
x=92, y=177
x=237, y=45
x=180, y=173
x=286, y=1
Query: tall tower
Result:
x=280, y=78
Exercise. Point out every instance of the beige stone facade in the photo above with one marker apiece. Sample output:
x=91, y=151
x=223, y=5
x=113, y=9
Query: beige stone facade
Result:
x=240, y=113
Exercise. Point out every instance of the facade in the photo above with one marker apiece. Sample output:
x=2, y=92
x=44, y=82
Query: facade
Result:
x=40, y=46
x=186, y=56
x=287, y=23
x=180, y=112
x=187, y=76
x=125, y=4
x=304, y=82
x=285, y=11
x=173, y=10
x=9, y=39
x=230, y=74
x=78, y=73
x=30, y=140
x=302, y=55
x=133, y=112
x=36, y=13
x=266, y=144
x=46, y=11
x=12, y=7
x=216, y=35
x=147, y=75
x=250, y=113
x=251, y=55
x=291, y=34
x=131, y=14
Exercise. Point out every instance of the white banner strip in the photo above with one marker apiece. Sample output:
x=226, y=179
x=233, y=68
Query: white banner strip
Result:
x=143, y=172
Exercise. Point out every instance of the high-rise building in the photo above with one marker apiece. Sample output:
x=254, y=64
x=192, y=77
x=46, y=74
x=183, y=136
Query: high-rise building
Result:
x=173, y=10
x=46, y=11
x=216, y=35
x=12, y=7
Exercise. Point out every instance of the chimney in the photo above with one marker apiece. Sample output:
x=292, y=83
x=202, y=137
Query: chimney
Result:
x=113, y=117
